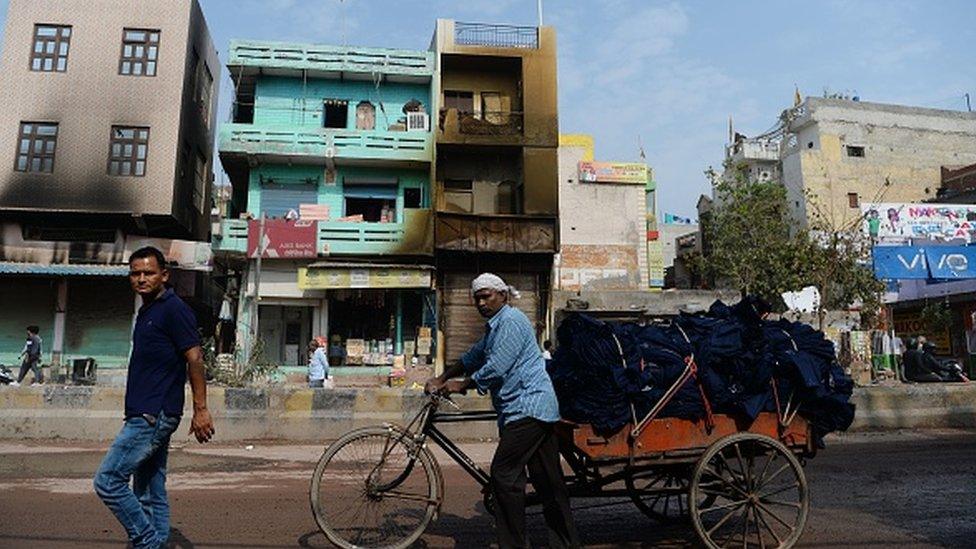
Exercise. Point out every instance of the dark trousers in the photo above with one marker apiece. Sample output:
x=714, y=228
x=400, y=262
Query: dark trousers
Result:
x=31, y=364
x=530, y=443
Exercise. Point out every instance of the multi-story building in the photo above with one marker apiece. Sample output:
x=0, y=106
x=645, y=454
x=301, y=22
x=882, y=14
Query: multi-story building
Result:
x=831, y=154
x=329, y=154
x=601, y=252
x=752, y=159
x=108, y=117
x=842, y=152
x=496, y=170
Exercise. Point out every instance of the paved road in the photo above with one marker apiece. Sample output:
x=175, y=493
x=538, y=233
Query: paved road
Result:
x=907, y=490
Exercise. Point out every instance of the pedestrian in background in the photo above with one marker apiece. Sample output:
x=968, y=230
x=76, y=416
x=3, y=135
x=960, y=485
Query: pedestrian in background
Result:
x=318, y=365
x=31, y=355
x=165, y=351
x=507, y=363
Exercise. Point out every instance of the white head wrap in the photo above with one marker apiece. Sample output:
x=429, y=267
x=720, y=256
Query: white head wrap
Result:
x=490, y=281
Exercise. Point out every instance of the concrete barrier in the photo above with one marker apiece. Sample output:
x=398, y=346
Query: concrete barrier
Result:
x=309, y=415
x=915, y=406
x=262, y=413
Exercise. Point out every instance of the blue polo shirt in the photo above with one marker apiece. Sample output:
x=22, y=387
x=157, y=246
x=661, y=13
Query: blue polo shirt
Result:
x=165, y=329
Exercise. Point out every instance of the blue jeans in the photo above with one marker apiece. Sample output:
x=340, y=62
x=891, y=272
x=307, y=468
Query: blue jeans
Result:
x=139, y=453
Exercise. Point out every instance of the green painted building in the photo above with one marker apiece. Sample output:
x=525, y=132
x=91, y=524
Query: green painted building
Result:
x=329, y=151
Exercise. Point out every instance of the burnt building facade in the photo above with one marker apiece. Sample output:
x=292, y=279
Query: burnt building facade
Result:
x=109, y=116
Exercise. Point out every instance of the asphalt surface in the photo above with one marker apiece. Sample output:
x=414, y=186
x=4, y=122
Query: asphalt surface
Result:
x=867, y=490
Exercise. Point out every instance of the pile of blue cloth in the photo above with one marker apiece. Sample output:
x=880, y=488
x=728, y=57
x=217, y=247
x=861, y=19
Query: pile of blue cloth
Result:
x=608, y=374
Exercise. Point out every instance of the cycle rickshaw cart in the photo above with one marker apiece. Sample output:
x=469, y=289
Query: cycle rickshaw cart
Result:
x=739, y=483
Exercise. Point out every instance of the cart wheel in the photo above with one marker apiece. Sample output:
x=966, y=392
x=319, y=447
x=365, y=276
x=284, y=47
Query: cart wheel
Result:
x=375, y=488
x=758, y=494
x=660, y=493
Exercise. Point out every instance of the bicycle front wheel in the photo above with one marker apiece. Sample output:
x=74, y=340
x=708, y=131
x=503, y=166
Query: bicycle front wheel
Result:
x=375, y=488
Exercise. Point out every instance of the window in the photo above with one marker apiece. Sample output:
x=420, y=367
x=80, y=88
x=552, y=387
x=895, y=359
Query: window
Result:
x=411, y=197
x=370, y=201
x=50, y=53
x=365, y=116
x=336, y=112
x=128, y=151
x=463, y=101
x=495, y=107
x=458, y=195
x=200, y=183
x=853, y=200
x=35, y=147
x=204, y=91
x=855, y=151
x=140, y=49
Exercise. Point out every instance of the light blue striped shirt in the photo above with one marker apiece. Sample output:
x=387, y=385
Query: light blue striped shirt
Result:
x=507, y=363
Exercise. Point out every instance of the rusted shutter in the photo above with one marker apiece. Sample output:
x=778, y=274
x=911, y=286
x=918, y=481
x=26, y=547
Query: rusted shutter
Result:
x=462, y=324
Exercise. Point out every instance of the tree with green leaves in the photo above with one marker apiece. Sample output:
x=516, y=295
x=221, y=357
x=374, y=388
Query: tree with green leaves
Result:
x=751, y=243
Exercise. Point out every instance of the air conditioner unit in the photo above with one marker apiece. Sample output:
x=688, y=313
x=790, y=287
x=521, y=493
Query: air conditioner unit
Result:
x=418, y=121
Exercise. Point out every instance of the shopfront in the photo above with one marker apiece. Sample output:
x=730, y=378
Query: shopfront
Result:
x=377, y=315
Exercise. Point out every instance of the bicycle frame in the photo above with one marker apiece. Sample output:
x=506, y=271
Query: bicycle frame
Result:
x=426, y=418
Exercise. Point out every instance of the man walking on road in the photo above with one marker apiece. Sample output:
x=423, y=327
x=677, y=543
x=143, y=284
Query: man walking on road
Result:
x=165, y=349
x=507, y=363
x=32, y=356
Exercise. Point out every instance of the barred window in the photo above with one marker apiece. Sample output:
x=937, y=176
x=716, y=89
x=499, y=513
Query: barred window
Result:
x=140, y=50
x=200, y=183
x=204, y=92
x=128, y=151
x=35, y=147
x=50, y=53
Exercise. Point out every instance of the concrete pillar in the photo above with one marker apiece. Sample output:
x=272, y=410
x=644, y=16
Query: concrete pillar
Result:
x=320, y=318
x=398, y=338
x=242, y=335
x=60, y=311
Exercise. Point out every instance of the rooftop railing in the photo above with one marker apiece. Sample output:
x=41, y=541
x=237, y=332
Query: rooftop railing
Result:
x=496, y=36
x=331, y=58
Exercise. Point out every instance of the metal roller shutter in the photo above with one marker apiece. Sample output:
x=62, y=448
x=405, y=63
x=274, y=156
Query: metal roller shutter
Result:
x=463, y=326
x=277, y=199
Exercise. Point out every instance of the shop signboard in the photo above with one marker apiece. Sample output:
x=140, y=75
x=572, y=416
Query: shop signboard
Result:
x=900, y=263
x=899, y=222
x=330, y=278
x=915, y=262
x=655, y=263
x=912, y=324
x=282, y=238
x=631, y=173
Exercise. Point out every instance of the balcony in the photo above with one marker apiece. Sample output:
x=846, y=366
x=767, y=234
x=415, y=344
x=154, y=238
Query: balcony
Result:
x=488, y=128
x=520, y=234
x=322, y=146
x=413, y=236
x=249, y=57
x=745, y=150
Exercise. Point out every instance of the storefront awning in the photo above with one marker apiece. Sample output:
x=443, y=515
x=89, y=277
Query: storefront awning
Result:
x=11, y=267
x=328, y=276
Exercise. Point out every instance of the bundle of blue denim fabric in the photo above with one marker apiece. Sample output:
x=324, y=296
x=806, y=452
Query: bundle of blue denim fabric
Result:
x=609, y=373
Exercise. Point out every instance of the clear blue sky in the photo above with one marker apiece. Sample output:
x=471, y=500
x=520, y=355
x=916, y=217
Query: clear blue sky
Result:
x=669, y=72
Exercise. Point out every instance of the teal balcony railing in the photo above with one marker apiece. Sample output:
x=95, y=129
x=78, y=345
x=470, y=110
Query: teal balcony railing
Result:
x=412, y=236
x=375, y=146
x=331, y=59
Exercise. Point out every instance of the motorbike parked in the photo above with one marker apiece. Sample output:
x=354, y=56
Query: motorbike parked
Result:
x=6, y=375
